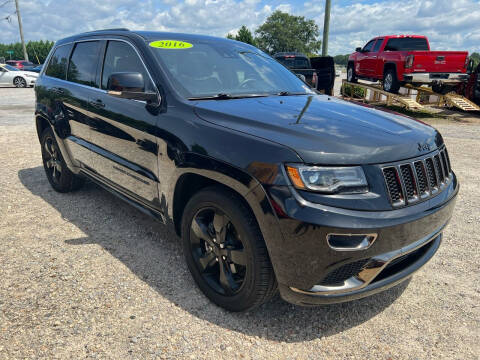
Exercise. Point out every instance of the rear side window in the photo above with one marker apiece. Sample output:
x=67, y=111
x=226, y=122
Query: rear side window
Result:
x=294, y=62
x=407, y=44
x=57, y=67
x=121, y=57
x=377, y=45
x=82, y=67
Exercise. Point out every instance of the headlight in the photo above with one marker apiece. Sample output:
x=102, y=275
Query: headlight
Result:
x=329, y=180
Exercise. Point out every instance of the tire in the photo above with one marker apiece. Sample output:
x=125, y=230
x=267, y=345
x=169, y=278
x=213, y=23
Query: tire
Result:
x=442, y=89
x=59, y=176
x=19, y=82
x=390, y=81
x=351, y=76
x=225, y=251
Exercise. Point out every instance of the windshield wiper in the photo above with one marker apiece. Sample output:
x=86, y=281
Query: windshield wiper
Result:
x=225, y=96
x=288, y=93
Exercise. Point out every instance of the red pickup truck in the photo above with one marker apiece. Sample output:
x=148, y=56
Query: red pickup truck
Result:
x=400, y=59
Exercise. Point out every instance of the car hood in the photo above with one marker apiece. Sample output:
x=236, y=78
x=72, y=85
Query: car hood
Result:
x=30, y=73
x=325, y=130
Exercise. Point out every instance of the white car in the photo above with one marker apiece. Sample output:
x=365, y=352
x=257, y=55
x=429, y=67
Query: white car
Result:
x=12, y=76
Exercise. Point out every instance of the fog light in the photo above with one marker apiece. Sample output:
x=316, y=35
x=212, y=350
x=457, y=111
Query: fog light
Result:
x=350, y=242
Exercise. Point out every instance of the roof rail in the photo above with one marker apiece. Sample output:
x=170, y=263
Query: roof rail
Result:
x=101, y=30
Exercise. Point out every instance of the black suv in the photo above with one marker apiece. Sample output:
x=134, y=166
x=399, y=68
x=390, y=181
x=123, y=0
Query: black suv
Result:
x=269, y=184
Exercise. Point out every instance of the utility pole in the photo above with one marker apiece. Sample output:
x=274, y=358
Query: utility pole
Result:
x=326, y=25
x=25, y=55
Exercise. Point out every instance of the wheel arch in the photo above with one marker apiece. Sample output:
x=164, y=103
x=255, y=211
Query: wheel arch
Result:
x=388, y=66
x=41, y=124
x=190, y=183
x=21, y=77
x=203, y=172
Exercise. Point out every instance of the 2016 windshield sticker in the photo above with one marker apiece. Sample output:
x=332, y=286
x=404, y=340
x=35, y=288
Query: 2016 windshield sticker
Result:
x=170, y=44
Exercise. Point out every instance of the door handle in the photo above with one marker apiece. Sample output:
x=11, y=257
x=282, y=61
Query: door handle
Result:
x=97, y=104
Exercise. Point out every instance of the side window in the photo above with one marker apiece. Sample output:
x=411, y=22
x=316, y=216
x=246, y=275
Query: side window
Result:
x=57, y=67
x=369, y=45
x=121, y=57
x=83, y=63
x=377, y=46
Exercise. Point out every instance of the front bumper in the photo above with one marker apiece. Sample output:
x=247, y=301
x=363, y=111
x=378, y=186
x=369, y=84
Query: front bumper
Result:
x=304, y=261
x=440, y=78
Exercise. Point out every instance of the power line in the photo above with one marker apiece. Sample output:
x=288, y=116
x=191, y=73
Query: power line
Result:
x=5, y=3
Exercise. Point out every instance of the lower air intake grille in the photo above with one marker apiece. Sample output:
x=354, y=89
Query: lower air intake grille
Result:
x=338, y=276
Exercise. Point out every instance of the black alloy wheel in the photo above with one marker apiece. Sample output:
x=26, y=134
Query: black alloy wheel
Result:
x=225, y=251
x=218, y=251
x=58, y=174
x=51, y=159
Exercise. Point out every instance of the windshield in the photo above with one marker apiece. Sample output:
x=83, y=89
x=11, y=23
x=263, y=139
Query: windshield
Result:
x=208, y=68
x=294, y=63
x=10, y=68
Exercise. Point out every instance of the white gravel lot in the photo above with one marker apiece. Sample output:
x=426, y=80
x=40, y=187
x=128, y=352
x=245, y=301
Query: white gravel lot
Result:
x=84, y=275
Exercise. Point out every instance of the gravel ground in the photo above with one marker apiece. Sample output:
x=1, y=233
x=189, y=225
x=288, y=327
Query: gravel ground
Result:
x=85, y=275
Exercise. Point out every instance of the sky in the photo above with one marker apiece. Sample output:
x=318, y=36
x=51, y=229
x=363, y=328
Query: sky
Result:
x=449, y=24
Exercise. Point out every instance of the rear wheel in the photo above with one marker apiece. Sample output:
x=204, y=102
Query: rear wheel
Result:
x=351, y=77
x=225, y=251
x=19, y=82
x=442, y=89
x=58, y=174
x=390, y=81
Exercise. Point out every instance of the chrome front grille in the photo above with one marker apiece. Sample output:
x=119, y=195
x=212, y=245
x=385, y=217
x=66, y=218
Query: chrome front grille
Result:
x=419, y=179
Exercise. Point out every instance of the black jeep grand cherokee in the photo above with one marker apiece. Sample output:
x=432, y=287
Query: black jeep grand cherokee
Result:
x=269, y=184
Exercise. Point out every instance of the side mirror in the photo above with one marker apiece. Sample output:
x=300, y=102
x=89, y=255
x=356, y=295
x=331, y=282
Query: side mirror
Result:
x=358, y=49
x=129, y=85
x=301, y=77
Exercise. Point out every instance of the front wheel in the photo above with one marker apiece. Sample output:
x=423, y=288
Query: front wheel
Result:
x=19, y=82
x=351, y=77
x=225, y=251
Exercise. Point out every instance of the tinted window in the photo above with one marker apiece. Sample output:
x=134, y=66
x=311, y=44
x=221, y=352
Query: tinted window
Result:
x=369, y=46
x=407, y=44
x=57, y=67
x=121, y=57
x=208, y=68
x=11, y=68
x=294, y=62
x=377, y=45
x=83, y=63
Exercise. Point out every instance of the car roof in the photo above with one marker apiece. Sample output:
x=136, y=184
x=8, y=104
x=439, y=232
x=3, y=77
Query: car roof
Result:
x=400, y=36
x=290, y=53
x=146, y=35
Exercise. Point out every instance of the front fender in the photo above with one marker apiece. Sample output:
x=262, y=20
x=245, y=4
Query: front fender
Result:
x=238, y=180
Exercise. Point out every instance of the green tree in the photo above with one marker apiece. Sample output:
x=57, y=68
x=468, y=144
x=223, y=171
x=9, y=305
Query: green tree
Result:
x=243, y=35
x=37, y=50
x=341, y=59
x=476, y=58
x=285, y=32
